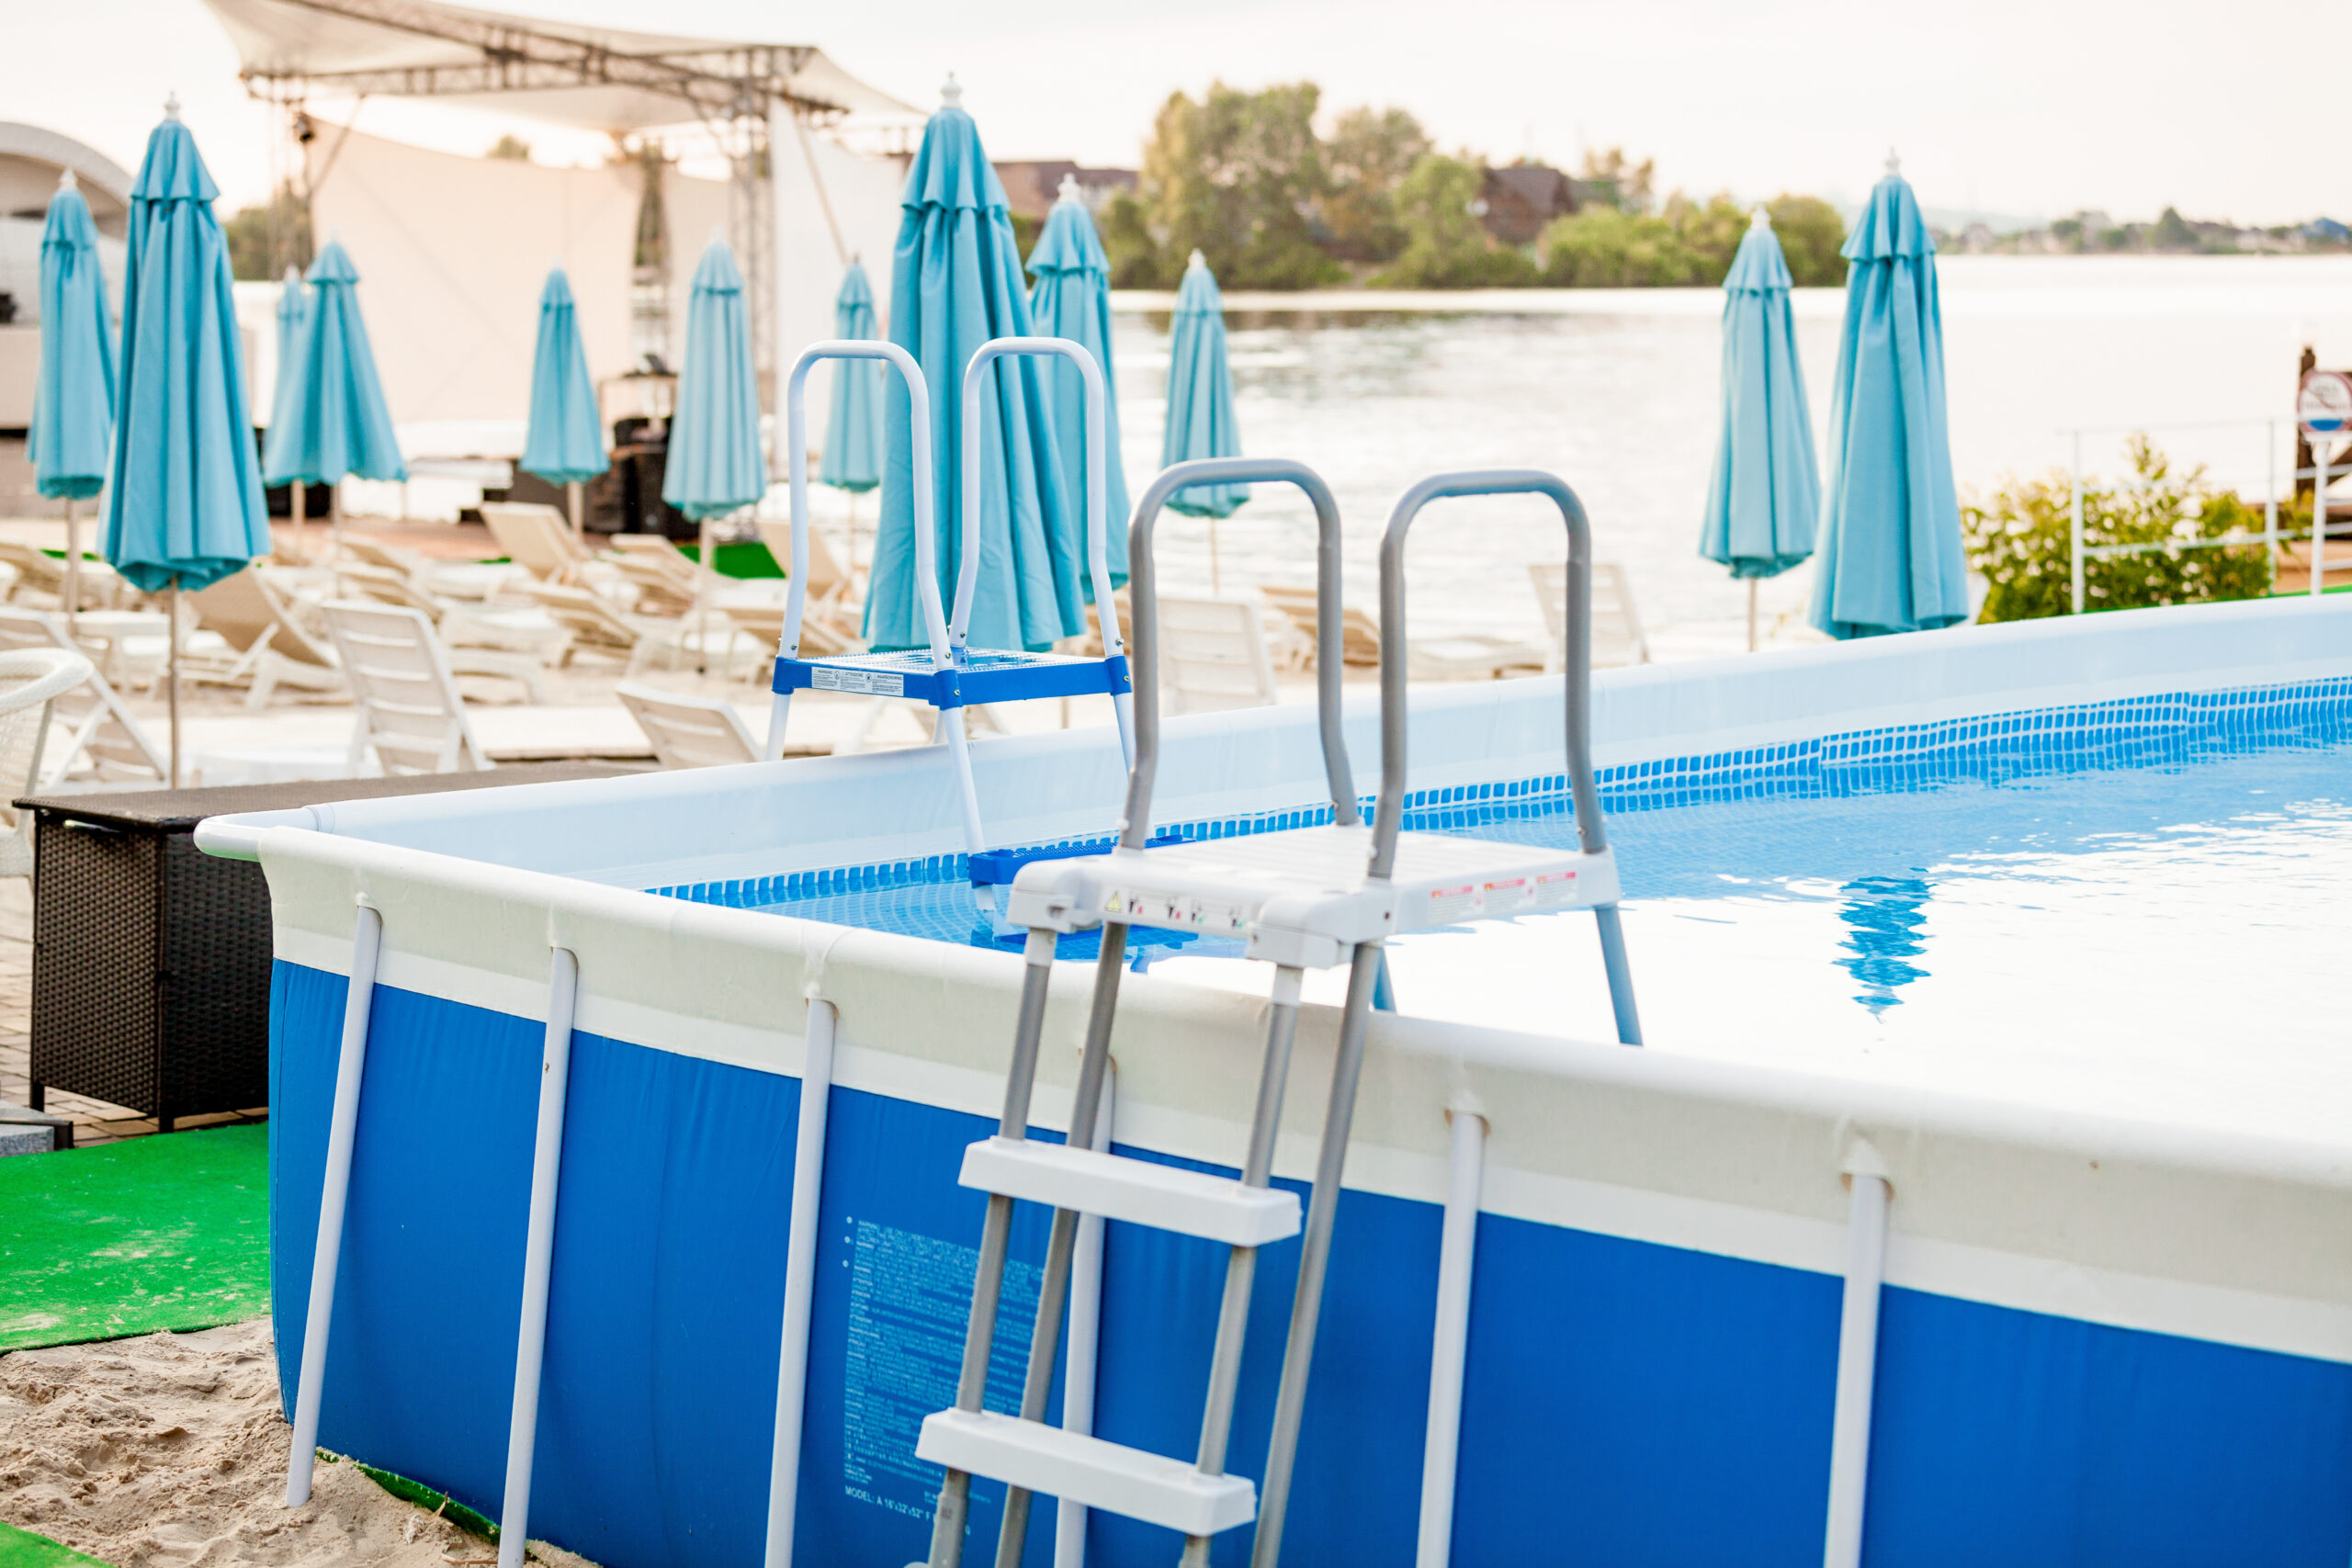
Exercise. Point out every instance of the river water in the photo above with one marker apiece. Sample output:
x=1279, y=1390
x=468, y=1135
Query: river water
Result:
x=1618, y=391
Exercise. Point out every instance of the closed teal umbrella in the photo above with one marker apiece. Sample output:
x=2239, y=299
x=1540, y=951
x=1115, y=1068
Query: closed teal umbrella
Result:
x=73, y=426
x=293, y=309
x=333, y=423
x=184, y=504
x=954, y=284
x=1766, y=500
x=566, y=442
x=1889, y=543
x=1200, y=400
x=852, y=457
x=715, y=466
x=1072, y=300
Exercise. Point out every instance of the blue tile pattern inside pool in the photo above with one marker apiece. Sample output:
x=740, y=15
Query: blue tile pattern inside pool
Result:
x=1863, y=819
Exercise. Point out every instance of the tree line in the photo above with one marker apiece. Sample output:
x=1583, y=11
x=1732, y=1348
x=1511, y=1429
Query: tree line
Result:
x=1271, y=202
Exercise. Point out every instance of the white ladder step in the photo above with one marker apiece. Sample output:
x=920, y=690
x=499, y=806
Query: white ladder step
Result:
x=1139, y=1192
x=1128, y=1482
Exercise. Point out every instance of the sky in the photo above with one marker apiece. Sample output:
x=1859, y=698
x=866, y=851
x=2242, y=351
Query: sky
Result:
x=2025, y=108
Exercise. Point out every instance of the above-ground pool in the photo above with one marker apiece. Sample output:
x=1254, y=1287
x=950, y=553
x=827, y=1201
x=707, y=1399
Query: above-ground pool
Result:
x=2033, y=925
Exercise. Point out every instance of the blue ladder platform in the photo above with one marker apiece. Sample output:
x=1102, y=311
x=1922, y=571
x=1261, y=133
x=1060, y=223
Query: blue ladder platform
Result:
x=968, y=677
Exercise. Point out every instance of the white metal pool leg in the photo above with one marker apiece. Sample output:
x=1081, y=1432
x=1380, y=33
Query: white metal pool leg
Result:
x=1085, y=1338
x=343, y=1131
x=1450, y=1345
x=1850, y=1438
x=799, y=1279
x=779, y=712
x=959, y=753
x=1123, y=708
x=538, y=1258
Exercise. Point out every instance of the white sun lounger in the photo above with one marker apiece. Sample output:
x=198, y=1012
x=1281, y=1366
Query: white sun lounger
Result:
x=97, y=736
x=408, y=709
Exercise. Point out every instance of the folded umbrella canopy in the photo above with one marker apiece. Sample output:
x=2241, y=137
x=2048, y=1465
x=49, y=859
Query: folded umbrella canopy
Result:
x=715, y=466
x=184, y=504
x=565, y=445
x=293, y=311
x=1072, y=298
x=853, y=457
x=333, y=423
x=73, y=424
x=1889, y=543
x=954, y=284
x=1200, y=401
x=1766, y=500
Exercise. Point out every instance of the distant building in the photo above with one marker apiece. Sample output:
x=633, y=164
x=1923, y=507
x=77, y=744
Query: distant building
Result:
x=1978, y=238
x=1522, y=199
x=1031, y=188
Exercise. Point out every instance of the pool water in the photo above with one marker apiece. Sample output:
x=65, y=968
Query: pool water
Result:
x=2012, y=920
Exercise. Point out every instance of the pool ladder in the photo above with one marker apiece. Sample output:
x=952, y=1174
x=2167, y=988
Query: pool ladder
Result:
x=947, y=674
x=1341, y=891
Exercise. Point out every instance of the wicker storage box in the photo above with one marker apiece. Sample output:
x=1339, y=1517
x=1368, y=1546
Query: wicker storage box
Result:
x=152, y=959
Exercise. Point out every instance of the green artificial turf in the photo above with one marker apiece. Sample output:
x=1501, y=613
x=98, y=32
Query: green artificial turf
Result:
x=22, y=1549
x=423, y=1497
x=169, y=1232
x=745, y=557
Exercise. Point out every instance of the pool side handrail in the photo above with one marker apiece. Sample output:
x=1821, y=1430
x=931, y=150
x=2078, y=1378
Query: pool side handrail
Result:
x=1388, y=815
x=795, y=405
x=1329, y=632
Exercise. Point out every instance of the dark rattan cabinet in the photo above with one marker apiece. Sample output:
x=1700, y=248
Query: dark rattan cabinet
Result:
x=152, y=959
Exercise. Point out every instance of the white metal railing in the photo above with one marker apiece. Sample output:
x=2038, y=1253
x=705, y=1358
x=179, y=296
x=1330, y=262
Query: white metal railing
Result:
x=2082, y=553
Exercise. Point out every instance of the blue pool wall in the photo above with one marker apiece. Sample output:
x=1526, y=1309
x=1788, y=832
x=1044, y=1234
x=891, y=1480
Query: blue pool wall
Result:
x=1626, y=1401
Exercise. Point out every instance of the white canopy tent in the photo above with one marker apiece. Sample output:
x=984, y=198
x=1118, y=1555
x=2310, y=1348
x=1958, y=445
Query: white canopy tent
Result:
x=453, y=248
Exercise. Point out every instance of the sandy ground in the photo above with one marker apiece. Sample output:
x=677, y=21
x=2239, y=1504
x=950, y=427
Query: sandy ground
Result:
x=168, y=1451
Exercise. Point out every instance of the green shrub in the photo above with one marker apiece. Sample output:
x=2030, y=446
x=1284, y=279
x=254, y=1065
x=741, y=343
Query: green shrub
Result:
x=1603, y=247
x=2021, y=541
x=1446, y=245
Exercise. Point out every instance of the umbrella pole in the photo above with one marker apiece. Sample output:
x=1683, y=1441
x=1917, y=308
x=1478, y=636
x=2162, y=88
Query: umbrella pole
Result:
x=175, y=681
x=1751, y=614
x=296, y=492
x=334, y=526
x=73, y=569
x=702, y=597
x=571, y=496
x=1214, y=588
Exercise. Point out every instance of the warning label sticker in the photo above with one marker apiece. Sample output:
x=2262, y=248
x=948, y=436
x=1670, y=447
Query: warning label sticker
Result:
x=870, y=682
x=1457, y=903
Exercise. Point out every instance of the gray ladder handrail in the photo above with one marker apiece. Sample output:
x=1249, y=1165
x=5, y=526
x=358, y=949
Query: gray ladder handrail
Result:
x=1330, y=633
x=796, y=403
x=1388, y=816
x=1096, y=433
